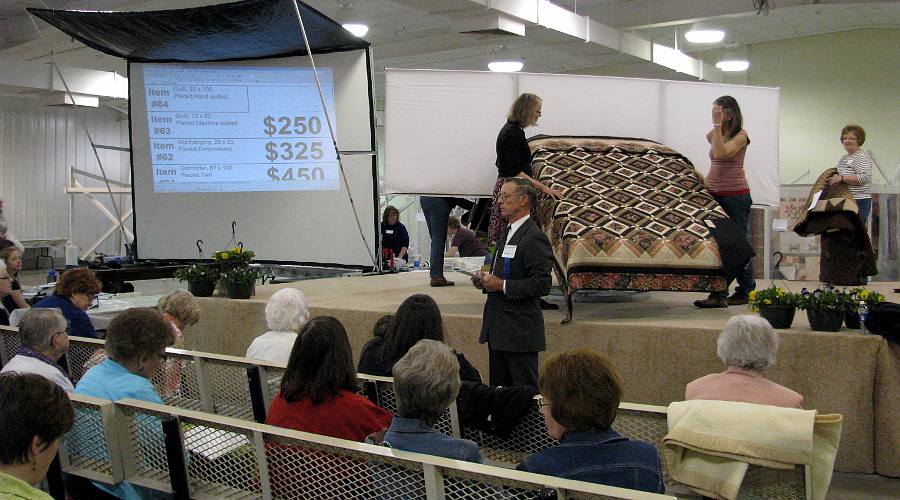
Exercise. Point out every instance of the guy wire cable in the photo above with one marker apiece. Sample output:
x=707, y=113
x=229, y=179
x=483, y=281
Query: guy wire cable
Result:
x=331, y=130
x=53, y=63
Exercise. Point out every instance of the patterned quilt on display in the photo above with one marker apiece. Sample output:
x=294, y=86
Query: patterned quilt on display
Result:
x=633, y=217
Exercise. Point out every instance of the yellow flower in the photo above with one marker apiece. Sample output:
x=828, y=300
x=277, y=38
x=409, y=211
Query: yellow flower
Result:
x=864, y=295
x=767, y=302
x=780, y=292
x=753, y=295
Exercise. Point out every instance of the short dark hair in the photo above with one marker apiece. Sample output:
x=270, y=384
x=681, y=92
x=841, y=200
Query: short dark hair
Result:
x=524, y=187
x=136, y=332
x=321, y=362
x=30, y=405
x=381, y=326
x=388, y=210
x=77, y=280
x=453, y=222
x=417, y=318
x=856, y=129
x=584, y=390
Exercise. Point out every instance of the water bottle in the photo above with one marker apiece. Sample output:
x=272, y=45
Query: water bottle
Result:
x=51, y=276
x=416, y=262
x=863, y=312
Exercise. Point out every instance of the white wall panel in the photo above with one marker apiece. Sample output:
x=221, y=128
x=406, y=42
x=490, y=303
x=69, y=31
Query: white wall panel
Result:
x=37, y=145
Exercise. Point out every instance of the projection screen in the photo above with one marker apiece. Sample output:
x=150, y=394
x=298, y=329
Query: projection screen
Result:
x=248, y=142
x=441, y=126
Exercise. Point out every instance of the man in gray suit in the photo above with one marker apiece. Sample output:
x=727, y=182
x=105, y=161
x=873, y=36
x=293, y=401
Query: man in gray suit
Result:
x=513, y=325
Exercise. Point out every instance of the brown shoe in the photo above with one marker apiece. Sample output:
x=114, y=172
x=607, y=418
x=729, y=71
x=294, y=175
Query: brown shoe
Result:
x=441, y=281
x=737, y=299
x=711, y=303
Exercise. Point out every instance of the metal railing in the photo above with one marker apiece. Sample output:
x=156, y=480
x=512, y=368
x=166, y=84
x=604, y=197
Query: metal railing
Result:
x=232, y=458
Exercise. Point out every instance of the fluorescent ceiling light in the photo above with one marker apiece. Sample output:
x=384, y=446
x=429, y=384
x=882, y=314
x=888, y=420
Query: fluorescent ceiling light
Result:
x=505, y=66
x=736, y=65
x=358, y=30
x=701, y=33
x=350, y=20
x=733, y=60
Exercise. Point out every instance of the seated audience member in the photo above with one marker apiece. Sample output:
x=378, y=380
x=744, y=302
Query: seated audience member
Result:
x=5, y=291
x=44, y=340
x=394, y=237
x=12, y=257
x=73, y=294
x=426, y=381
x=34, y=415
x=7, y=238
x=136, y=345
x=581, y=391
x=372, y=346
x=463, y=241
x=747, y=346
x=286, y=313
x=181, y=310
x=417, y=318
x=319, y=390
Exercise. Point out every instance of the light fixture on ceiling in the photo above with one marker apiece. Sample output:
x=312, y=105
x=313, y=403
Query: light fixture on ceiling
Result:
x=350, y=19
x=733, y=59
x=704, y=33
x=504, y=61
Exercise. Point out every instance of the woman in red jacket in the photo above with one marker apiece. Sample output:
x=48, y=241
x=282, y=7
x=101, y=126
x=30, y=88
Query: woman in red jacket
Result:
x=318, y=390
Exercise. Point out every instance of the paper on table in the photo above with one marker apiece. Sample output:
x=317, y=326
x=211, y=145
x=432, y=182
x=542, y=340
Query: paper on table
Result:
x=213, y=443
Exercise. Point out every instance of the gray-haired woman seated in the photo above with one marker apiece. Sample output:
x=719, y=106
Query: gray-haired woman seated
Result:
x=426, y=381
x=286, y=313
x=34, y=415
x=747, y=346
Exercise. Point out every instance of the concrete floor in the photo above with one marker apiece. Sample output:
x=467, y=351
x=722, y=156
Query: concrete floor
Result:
x=844, y=486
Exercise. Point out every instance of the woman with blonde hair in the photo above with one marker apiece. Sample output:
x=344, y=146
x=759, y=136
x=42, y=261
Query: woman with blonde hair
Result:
x=514, y=156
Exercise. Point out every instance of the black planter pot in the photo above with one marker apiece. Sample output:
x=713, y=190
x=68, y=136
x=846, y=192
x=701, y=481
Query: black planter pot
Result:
x=851, y=319
x=238, y=290
x=778, y=316
x=201, y=288
x=825, y=320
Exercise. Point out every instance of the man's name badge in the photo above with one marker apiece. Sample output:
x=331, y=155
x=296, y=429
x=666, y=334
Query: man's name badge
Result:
x=509, y=251
x=388, y=231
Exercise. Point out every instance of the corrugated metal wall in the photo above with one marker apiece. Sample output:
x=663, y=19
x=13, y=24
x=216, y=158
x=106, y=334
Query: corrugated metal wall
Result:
x=37, y=145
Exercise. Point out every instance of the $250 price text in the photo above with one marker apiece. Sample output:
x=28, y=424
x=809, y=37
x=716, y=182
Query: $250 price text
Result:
x=284, y=125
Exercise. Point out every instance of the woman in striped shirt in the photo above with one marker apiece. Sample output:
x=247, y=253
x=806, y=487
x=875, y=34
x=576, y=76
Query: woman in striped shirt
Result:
x=855, y=169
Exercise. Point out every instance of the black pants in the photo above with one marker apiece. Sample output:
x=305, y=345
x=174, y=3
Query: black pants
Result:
x=513, y=368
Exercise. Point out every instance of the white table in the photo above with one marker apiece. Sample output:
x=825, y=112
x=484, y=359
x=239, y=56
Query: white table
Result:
x=44, y=245
x=111, y=305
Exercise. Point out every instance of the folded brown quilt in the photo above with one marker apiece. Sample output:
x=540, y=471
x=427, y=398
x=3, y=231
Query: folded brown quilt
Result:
x=847, y=256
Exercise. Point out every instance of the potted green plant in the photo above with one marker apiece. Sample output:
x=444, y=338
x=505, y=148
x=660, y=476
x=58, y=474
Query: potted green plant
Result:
x=231, y=258
x=855, y=295
x=201, y=279
x=775, y=304
x=824, y=308
x=239, y=282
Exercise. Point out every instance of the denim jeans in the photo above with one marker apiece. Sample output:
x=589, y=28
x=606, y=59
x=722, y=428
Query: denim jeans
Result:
x=437, y=211
x=738, y=209
x=865, y=208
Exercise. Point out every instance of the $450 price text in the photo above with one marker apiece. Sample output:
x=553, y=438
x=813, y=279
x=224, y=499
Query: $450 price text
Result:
x=303, y=174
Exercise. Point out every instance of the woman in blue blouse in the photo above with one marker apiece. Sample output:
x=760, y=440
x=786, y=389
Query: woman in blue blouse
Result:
x=581, y=391
x=73, y=295
x=136, y=343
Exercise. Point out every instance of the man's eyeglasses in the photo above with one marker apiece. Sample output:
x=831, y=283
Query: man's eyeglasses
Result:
x=541, y=402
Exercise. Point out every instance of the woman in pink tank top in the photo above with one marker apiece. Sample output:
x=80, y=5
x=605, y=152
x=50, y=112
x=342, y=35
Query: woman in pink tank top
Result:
x=728, y=185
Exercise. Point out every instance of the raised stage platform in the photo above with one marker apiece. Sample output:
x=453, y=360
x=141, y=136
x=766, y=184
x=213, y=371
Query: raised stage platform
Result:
x=659, y=345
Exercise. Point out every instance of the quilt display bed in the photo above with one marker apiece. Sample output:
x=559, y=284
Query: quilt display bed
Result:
x=635, y=216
